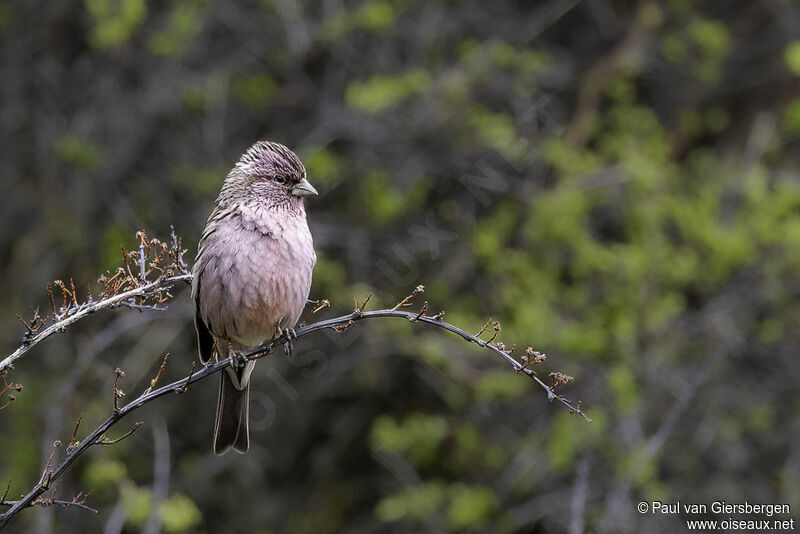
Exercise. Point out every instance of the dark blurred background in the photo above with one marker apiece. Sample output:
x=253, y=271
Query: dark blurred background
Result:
x=616, y=181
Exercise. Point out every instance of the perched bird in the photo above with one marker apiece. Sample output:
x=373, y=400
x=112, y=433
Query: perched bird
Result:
x=252, y=274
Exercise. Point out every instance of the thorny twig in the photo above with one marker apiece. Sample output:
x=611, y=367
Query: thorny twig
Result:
x=79, y=501
x=149, y=290
x=166, y=264
x=96, y=437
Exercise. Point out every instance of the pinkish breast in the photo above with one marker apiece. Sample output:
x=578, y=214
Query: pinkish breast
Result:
x=257, y=274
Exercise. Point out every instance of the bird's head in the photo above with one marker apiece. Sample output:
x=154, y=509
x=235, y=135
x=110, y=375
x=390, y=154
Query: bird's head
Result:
x=273, y=174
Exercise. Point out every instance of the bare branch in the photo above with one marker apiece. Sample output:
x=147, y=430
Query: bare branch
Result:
x=97, y=437
x=122, y=299
x=146, y=291
x=50, y=502
x=166, y=263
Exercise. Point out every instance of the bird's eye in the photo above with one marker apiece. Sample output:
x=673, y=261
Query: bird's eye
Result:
x=280, y=179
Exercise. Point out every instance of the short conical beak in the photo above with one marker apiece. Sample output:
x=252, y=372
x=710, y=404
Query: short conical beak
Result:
x=304, y=189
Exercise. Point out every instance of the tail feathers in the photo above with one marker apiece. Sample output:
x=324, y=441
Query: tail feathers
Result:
x=230, y=428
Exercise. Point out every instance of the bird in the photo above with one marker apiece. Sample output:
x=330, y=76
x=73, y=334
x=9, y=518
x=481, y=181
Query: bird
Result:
x=252, y=274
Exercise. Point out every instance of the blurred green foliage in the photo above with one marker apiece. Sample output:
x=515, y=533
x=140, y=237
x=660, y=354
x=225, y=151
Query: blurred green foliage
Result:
x=373, y=15
x=114, y=20
x=255, y=91
x=419, y=435
x=183, y=25
x=381, y=92
x=82, y=154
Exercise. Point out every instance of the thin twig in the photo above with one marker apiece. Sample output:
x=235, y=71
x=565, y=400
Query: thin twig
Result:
x=52, y=300
x=50, y=502
x=154, y=381
x=357, y=311
x=72, y=441
x=118, y=393
x=185, y=385
x=319, y=305
x=47, y=473
x=417, y=290
x=421, y=312
x=6, y=387
x=484, y=327
x=102, y=440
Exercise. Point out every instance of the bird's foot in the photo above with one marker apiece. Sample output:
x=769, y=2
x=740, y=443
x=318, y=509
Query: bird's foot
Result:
x=238, y=360
x=290, y=336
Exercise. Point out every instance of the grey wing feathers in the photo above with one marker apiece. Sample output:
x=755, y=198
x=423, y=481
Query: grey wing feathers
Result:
x=205, y=341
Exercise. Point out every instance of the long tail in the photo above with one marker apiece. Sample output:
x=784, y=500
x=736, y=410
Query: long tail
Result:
x=230, y=428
